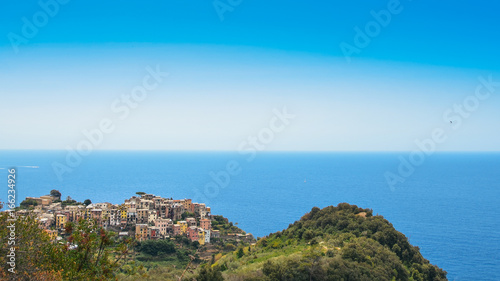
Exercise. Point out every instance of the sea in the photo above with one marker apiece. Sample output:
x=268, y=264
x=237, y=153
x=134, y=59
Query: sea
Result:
x=447, y=204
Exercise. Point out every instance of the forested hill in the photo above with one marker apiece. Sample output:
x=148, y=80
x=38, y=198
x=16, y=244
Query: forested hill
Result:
x=334, y=243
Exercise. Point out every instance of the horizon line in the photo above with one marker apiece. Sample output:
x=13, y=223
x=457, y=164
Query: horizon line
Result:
x=257, y=151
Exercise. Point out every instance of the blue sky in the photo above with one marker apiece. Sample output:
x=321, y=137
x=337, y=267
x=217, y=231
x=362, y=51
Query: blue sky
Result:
x=226, y=76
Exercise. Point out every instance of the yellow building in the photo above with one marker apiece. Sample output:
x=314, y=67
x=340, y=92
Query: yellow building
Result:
x=184, y=226
x=123, y=214
x=201, y=236
x=60, y=221
x=87, y=212
x=52, y=234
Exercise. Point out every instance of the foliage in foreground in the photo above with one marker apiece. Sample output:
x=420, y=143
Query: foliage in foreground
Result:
x=97, y=256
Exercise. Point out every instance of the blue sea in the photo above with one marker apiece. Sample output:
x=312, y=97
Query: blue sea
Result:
x=449, y=206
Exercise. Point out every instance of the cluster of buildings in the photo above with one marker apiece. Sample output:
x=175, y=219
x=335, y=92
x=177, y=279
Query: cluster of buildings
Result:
x=147, y=216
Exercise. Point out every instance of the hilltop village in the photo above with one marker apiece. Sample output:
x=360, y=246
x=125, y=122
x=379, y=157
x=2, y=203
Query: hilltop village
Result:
x=144, y=217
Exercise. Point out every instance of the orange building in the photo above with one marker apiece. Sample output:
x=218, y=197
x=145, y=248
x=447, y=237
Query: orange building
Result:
x=206, y=224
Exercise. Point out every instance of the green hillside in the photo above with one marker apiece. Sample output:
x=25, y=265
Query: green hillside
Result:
x=343, y=243
x=334, y=243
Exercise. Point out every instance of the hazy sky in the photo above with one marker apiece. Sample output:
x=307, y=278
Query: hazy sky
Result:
x=227, y=77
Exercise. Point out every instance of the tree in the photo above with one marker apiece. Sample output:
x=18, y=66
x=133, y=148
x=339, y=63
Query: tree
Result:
x=186, y=215
x=39, y=258
x=27, y=203
x=55, y=193
x=156, y=247
x=274, y=271
x=210, y=273
x=96, y=254
x=70, y=201
x=140, y=193
x=36, y=258
x=240, y=253
x=308, y=235
x=87, y=202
